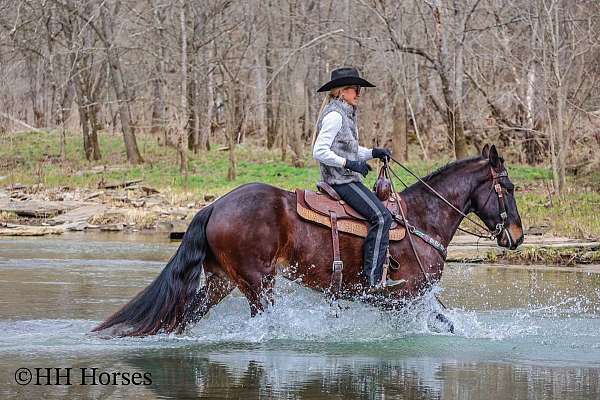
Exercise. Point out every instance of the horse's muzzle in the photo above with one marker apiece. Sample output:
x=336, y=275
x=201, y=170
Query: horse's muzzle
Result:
x=511, y=237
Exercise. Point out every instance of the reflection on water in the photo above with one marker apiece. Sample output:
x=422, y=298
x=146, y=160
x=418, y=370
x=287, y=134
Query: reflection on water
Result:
x=520, y=333
x=292, y=374
x=275, y=373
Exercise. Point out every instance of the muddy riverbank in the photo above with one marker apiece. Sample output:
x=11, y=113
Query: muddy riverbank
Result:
x=120, y=206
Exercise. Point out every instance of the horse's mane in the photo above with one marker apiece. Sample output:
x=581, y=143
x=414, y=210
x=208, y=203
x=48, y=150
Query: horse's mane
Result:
x=451, y=165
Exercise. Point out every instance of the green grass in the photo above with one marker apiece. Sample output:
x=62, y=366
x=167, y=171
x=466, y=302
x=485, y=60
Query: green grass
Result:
x=32, y=158
x=573, y=215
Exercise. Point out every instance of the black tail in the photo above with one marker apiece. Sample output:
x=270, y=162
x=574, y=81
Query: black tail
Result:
x=161, y=305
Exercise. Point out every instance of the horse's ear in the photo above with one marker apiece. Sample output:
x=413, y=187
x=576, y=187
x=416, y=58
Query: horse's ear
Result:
x=485, y=152
x=493, y=156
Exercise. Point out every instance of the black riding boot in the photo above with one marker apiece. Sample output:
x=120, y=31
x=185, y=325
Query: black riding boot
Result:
x=359, y=197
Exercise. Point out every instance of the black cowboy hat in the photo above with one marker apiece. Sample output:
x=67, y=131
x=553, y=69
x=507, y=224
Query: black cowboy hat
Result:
x=344, y=77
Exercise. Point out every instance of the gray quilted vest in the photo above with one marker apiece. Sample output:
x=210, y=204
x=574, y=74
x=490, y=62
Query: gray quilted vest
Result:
x=344, y=145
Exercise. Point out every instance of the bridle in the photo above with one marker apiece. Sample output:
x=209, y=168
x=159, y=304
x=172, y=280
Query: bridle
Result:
x=412, y=230
x=491, y=234
x=501, y=226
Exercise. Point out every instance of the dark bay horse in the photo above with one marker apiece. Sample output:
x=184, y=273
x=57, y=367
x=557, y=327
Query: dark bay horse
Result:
x=253, y=233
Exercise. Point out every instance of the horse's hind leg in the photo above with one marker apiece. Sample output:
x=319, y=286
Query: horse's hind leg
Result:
x=256, y=282
x=259, y=292
x=216, y=289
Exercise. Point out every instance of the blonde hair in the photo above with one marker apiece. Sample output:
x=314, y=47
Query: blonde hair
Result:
x=332, y=94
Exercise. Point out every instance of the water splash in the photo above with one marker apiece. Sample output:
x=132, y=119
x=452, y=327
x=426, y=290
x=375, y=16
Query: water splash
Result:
x=303, y=316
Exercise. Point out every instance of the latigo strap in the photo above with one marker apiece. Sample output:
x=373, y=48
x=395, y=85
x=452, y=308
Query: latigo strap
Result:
x=338, y=265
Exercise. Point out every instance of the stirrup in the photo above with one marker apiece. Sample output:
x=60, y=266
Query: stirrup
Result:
x=385, y=281
x=387, y=286
x=394, y=282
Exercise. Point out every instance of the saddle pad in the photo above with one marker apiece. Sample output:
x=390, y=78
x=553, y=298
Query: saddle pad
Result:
x=354, y=227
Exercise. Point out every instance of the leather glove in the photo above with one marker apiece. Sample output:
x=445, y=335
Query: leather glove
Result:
x=381, y=153
x=358, y=166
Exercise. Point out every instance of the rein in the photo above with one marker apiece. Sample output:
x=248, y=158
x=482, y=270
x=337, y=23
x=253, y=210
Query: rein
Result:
x=412, y=230
x=500, y=228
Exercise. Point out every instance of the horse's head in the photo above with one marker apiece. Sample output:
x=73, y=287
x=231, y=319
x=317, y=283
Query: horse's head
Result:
x=494, y=202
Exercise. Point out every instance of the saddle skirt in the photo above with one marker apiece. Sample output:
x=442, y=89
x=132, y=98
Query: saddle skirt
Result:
x=316, y=207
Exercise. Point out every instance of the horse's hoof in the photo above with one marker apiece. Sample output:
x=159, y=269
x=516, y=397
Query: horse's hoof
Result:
x=439, y=323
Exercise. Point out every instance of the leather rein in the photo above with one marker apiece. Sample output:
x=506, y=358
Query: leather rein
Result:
x=500, y=227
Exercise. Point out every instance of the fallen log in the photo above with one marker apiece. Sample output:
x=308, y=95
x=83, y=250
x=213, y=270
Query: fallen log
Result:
x=16, y=186
x=93, y=195
x=26, y=230
x=119, y=184
x=38, y=209
x=79, y=214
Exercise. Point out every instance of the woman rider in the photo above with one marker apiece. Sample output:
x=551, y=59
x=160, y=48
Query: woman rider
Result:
x=343, y=165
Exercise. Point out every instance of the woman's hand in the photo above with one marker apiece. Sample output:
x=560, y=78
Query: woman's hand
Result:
x=358, y=166
x=381, y=153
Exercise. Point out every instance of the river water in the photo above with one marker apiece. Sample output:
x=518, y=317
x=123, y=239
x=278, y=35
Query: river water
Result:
x=521, y=333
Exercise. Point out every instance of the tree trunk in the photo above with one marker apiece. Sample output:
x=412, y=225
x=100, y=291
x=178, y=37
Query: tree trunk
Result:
x=192, y=114
x=91, y=148
x=63, y=114
x=87, y=147
x=234, y=124
x=94, y=128
x=399, y=129
x=112, y=55
x=158, y=103
x=460, y=141
x=532, y=148
x=182, y=143
x=454, y=121
x=232, y=169
x=271, y=123
x=34, y=95
x=261, y=112
x=210, y=107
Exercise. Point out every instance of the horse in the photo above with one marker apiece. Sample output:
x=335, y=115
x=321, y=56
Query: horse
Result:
x=251, y=234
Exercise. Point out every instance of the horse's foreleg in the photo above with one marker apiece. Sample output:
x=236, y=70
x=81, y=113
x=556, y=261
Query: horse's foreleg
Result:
x=216, y=289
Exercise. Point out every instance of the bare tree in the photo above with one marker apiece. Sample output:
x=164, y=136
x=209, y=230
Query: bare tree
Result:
x=116, y=74
x=450, y=74
x=182, y=142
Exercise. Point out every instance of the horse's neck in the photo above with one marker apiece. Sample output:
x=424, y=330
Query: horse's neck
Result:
x=431, y=214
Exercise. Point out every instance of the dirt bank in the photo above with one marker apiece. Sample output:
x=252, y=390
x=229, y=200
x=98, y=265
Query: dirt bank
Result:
x=129, y=206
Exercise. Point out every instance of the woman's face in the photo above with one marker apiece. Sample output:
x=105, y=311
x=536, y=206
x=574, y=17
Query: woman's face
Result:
x=351, y=94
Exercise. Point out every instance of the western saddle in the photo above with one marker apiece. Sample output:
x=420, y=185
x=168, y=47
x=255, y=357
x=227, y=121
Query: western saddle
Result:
x=326, y=208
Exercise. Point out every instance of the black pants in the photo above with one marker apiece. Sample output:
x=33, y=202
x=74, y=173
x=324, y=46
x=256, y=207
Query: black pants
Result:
x=380, y=219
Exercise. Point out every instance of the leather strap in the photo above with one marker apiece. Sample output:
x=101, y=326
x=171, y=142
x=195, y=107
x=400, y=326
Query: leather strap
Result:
x=338, y=265
x=498, y=188
x=325, y=188
x=501, y=205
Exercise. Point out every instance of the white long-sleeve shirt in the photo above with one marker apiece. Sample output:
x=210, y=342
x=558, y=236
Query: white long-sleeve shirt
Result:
x=330, y=126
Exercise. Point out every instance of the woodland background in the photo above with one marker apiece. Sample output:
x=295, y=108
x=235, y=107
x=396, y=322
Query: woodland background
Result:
x=196, y=75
